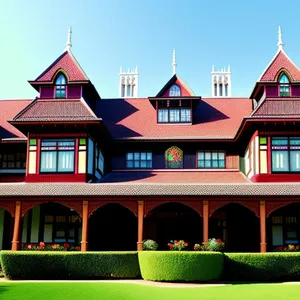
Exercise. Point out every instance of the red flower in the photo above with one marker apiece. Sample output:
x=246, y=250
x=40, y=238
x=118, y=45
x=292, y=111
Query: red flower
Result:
x=219, y=240
x=186, y=244
x=66, y=245
x=29, y=247
x=175, y=241
x=42, y=245
x=171, y=246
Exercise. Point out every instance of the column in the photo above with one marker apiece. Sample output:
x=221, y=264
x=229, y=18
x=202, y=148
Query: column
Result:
x=140, y=225
x=262, y=218
x=15, y=241
x=218, y=88
x=205, y=221
x=85, y=218
x=223, y=86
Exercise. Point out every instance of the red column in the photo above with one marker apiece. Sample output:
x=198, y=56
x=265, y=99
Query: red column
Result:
x=205, y=221
x=140, y=225
x=15, y=241
x=262, y=218
x=85, y=217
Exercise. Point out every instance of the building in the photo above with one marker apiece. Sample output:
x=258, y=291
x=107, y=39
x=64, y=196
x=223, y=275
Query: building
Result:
x=107, y=174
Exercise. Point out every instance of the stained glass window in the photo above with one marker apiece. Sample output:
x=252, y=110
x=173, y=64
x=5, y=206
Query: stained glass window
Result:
x=174, y=158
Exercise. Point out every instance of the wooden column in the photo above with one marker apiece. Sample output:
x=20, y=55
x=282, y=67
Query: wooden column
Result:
x=15, y=241
x=262, y=218
x=140, y=225
x=85, y=218
x=205, y=221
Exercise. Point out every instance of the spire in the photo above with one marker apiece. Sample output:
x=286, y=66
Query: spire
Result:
x=174, y=62
x=69, y=43
x=280, y=43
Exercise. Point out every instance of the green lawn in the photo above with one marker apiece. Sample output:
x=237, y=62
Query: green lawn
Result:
x=119, y=291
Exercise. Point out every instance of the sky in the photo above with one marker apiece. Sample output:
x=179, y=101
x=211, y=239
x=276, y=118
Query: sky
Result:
x=107, y=34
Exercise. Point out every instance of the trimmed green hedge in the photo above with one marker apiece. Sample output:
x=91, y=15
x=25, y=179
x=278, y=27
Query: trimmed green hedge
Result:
x=180, y=265
x=69, y=265
x=261, y=266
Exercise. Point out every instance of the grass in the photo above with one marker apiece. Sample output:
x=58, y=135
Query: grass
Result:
x=13, y=290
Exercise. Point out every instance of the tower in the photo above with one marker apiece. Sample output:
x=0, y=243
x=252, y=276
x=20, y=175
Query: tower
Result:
x=129, y=83
x=221, y=82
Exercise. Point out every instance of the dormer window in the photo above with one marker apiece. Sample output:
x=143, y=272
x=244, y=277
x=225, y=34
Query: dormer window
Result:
x=284, y=85
x=175, y=91
x=174, y=111
x=60, y=86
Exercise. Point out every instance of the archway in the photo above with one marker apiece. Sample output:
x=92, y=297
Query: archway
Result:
x=51, y=223
x=283, y=226
x=6, y=229
x=112, y=227
x=237, y=226
x=173, y=221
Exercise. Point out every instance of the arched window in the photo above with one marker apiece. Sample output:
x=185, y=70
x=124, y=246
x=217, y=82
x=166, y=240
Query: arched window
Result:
x=174, y=91
x=60, y=86
x=174, y=158
x=284, y=85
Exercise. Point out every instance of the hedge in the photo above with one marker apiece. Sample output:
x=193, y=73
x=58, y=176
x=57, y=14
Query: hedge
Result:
x=261, y=266
x=69, y=265
x=180, y=265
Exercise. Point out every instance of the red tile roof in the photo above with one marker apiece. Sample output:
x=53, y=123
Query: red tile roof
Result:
x=278, y=107
x=69, y=64
x=8, y=109
x=137, y=119
x=173, y=176
x=57, y=110
x=280, y=62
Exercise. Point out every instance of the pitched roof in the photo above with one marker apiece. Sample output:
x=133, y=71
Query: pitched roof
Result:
x=278, y=107
x=280, y=62
x=44, y=110
x=175, y=176
x=8, y=109
x=175, y=79
x=137, y=119
x=69, y=64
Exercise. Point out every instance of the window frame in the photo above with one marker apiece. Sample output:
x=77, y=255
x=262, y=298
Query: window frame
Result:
x=284, y=85
x=175, y=89
x=61, y=87
x=211, y=159
x=21, y=161
x=171, y=109
x=57, y=151
x=139, y=160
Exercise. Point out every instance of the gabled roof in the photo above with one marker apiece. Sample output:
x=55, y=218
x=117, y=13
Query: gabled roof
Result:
x=56, y=110
x=8, y=109
x=135, y=119
x=175, y=79
x=280, y=62
x=69, y=64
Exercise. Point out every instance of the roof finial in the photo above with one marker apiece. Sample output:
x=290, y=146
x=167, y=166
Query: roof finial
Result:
x=69, y=43
x=280, y=43
x=174, y=62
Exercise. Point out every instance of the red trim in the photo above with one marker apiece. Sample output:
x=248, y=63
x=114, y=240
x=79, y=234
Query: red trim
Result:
x=27, y=154
x=76, y=156
x=276, y=178
x=56, y=178
x=38, y=156
x=57, y=135
x=269, y=158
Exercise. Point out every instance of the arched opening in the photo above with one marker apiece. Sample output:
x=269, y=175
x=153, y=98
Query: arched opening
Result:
x=174, y=158
x=237, y=226
x=173, y=221
x=6, y=229
x=60, y=85
x=175, y=91
x=283, y=227
x=112, y=227
x=51, y=223
x=284, y=85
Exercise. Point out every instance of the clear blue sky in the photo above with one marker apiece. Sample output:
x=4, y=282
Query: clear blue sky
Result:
x=111, y=33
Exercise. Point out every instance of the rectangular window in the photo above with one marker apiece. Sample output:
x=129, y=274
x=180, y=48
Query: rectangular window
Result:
x=211, y=159
x=57, y=156
x=286, y=154
x=174, y=115
x=139, y=160
x=284, y=90
x=13, y=160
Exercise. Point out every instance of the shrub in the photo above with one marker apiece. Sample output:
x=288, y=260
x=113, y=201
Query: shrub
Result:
x=180, y=266
x=69, y=265
x=149, y=245
x=177, y=245
x=261, y=266
x=214, y=245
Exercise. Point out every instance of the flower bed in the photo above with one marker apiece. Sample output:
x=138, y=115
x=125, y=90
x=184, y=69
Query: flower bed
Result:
x=69, y=265
x=180, y=265
x=50, y=247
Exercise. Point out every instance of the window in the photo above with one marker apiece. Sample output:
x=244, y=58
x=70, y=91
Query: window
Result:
x=211, y=159
x=284, y=85
x=139, y=160
x=57, y=156
x=286, y=154
x=12, y=160
x=174, y=91
x=174, y=111
x=60, y=86
x=174, y=158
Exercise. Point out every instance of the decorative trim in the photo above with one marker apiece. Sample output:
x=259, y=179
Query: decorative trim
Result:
x=10, y=206
x=271, y=206
x=131, y=205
